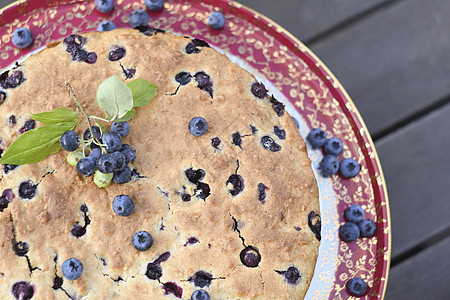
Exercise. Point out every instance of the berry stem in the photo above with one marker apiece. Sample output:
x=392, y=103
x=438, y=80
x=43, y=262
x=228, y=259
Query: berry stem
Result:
x=101, y=119
x=83, y=111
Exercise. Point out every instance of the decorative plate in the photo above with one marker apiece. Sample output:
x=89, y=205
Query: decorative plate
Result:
x=313, y=96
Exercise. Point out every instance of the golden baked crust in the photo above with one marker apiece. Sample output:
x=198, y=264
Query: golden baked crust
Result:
x=222, y=223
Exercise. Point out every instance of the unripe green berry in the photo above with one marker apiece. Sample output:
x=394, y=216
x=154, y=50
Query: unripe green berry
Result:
x=101, y=179
x=74, y=157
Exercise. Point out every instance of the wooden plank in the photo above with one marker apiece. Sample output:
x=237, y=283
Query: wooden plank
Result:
x=424, y=276
x=416, y=162
x=393, y=63
x=308, y=18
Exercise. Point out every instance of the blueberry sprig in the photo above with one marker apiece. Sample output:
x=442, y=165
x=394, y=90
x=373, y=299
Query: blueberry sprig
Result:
x=99, y=152
x=108, y=157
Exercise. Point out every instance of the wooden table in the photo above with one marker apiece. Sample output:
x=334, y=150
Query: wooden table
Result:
x=393, y=58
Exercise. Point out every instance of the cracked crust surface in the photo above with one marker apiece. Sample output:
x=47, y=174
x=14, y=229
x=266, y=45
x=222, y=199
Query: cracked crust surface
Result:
x=222, y=223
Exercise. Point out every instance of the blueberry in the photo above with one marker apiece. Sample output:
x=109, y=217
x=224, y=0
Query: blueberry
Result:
x=3, y=203
x=30, y=124
x=72, y=269
x=268, y=143
x=8, y=195
x=203, y=190
x=104, y=6
x=102, y=180
x=78, y=231
x=259, y=90
x=236, y=139
x=192, y=240
x=119, y=161
x=292, y=275
x=106, y=26
x=139, y=17
x=356, y=287
x=201, y=279
x=87, y=166
x=183, y=78
x=186, y=197
x=262, y=192
x=129, y=73
x=69, y=140
x=172, y=288
x=333, y=146
x=95, y=153
x=11, y=81
x=115, y=54
x=97, y=133
x=349, y=232
x=57, y=282
x=154, y=271
x=142, y=241
x=112, y=140
x=27, y=190
x=329, y=165
x=121, y=128
x=21, y=248
x=7, y=168
x=128, y=152
x=315, y=224
x=316, y=138
x=123, y=205
x=349, y=167
x=367, y=228
x=354, y=213
x=22, y=37
x=200, y=295
x=122, y=176
x=149, y=31
x=277, y=106
x=105, y=163
x=204, y=82
x=215, y=142
x=22, y=290
x=250, y=257
x=237, y=184
x=280, y=133
x=154, y=4
x=2, y=97
x=216, y=20
x=197, y=126
x=194, y=176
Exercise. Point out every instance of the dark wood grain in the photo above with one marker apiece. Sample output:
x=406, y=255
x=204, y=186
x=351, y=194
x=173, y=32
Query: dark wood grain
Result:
x=395, y=62
x=424, y=276
x=416, y=162
x=307, y=19
x=3, y=3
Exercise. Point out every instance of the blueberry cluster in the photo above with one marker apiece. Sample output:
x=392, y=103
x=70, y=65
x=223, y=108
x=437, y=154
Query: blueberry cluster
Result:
x=356, y=226
x=107, y=156
x=75, y=45
x=333, y=147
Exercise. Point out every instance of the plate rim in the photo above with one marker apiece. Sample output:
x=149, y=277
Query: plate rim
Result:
x=323, y=70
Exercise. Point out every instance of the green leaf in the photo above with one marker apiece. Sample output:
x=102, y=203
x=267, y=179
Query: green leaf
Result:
x=142, y=91
x=36, y=144
x=58, y=115
x=102, y=127
x=129, y=115
x=114, y=97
